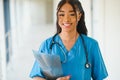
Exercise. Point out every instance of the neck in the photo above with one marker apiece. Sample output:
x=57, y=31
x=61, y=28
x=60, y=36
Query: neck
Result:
x=68, y=36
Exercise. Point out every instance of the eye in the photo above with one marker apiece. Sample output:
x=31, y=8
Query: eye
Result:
x=73, y=14
x=60, y=14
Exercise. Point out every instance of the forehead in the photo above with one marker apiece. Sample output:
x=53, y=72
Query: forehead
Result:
x=66, y=7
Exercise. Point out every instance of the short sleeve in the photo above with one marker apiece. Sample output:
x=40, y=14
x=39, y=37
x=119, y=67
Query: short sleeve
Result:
x=36, y=71
x=99, y=71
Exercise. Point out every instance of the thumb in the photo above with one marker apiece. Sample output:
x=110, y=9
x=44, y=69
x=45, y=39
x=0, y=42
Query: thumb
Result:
x=68, y=77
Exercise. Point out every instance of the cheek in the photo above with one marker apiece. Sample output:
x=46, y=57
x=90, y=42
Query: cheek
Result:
x=59, y=21
x=74, y=21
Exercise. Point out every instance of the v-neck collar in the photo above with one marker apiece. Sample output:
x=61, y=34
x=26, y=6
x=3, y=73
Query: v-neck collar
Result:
x=65, y=49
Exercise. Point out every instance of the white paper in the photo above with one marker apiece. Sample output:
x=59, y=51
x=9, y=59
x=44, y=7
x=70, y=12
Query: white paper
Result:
x=49, y=63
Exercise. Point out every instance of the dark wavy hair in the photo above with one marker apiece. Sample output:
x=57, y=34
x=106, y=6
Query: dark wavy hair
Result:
x=76, y=5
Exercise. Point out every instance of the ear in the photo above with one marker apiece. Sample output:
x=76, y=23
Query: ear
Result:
x=79, y=16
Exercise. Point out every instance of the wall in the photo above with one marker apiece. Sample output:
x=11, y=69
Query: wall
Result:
x=55, y=2
x=25, y=14
x=112, y=39
x=2, y=45
x=88, y=15
x=38, y=12
x=98, y=28
x=106, y=29
x=49, y=11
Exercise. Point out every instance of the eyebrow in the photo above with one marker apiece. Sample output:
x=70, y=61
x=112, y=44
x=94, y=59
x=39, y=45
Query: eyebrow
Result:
x=64, y=11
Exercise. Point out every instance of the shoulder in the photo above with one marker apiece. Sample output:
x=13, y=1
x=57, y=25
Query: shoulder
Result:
x=45, y=45
x=89, y=39
x=47, y=41
x=90, y=43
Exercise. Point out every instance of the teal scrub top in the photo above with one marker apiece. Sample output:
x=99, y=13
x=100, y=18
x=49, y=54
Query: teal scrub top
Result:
x=75, y=65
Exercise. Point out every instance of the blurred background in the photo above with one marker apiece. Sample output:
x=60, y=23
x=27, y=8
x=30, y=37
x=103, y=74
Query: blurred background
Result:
x=24, y=24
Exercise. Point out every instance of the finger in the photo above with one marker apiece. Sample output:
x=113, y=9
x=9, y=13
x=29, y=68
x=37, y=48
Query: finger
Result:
x=64, y=78
x=68, y=77
x=60, y=78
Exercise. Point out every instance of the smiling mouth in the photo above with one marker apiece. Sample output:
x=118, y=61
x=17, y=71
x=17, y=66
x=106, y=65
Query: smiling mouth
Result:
x=67, y=24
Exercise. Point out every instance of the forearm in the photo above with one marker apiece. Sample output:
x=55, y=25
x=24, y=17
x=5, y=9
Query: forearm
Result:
x=38, y=78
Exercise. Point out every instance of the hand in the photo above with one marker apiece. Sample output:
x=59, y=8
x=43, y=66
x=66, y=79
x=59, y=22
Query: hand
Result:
x=64, y=78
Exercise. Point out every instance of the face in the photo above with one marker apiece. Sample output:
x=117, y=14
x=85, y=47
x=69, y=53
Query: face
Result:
x=67, y=18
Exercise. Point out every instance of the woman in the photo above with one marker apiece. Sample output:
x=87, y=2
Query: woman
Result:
x=84, y=59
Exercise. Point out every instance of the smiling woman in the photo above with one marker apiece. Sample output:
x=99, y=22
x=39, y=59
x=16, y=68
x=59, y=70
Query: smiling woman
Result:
x=83, y=57
x=67, y=19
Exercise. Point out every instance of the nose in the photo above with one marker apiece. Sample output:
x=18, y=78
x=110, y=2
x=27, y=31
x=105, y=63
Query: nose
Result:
x=66, y=18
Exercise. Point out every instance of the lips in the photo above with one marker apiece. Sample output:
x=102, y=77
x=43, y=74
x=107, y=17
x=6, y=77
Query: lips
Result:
x=67, y=24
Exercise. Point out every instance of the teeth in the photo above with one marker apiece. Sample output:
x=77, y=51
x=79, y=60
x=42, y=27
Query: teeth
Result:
x=67, y=24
